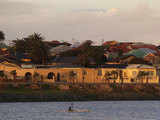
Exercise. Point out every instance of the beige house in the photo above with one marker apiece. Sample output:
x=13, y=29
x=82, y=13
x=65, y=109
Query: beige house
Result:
x=130, y=74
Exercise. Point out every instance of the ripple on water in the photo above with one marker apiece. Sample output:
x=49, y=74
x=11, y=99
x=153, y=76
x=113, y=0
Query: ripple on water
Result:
x=110, y=110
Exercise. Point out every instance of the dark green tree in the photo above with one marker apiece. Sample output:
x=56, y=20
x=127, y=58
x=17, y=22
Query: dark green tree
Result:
x=2, y=36
x=34, y=46
x=84, y=53
x=37, y=50
x=87, y=53
x=72, y=76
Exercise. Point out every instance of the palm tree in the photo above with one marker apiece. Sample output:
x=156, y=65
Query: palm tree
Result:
x=36, y=77
x=142, y=75
x=121, y=76
x=38, y=50
x=106, y=77
x=1, y=74
x=84, y=73
x=72, y=76
x=34, y=46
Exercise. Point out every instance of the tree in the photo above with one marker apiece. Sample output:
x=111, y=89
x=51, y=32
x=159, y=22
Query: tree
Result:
x=84, y=73
x=97, y=53
x=34, y=46
x=87, y=53
x=83, y=60
x=2, y=74
x=72, y=76
x=94, y=53
x=142, y=75
x=121, y=76
x=2, y=36
x=38, y=50
x=19, y=46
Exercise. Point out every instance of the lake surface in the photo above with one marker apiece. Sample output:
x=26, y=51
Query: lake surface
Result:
x=110, y=110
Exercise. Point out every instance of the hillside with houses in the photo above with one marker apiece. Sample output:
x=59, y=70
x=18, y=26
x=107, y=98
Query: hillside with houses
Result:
x=34, y=69
x=81, y=54
x=35, y=59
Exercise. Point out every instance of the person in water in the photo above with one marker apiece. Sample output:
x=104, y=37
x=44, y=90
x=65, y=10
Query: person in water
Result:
x=70, y=109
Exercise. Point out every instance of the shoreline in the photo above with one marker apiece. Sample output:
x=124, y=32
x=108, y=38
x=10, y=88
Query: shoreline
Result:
x=109, y=100
x=76, y=93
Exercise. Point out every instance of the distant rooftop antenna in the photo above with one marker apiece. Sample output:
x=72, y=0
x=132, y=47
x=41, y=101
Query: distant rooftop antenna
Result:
x=102, y=41
x=73, y=40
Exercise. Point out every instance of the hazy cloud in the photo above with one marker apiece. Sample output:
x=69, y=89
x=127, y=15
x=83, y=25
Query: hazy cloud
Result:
x=21, y=18
x=8, y=8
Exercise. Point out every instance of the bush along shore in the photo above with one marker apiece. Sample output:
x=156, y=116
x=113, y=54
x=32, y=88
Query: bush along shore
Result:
x=71, y=92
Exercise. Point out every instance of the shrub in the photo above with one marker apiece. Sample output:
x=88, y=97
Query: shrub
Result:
x=2, y=74
x=45, y=86
x=21, y=86
x=9, y=86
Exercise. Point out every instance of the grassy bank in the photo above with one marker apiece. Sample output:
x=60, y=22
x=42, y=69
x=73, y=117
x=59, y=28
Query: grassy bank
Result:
x=28, y=93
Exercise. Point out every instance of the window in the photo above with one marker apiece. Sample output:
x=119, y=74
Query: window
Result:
x=58, y=77
x=51, y=75
x=28, y=76
x=132, y=80
x=84, y=72
x=125, y=75
x=99, y=72
x=150, y=73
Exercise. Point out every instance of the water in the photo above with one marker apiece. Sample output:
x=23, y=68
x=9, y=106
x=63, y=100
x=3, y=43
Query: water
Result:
x=111, y=110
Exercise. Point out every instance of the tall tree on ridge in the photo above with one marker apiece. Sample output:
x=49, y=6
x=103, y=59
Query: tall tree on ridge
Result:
x=34, y=46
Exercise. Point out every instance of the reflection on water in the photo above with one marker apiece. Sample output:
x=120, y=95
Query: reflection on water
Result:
x=111, y=110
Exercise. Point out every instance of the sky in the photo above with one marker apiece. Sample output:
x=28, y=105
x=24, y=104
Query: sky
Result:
x=79, y=20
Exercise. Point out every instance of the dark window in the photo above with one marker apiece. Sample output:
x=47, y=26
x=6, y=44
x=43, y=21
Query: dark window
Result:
x=51, y=75
x=132, y=80
x=58, y=77
x=28, y=76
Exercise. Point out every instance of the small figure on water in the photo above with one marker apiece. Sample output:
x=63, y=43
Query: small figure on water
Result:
x=70, y=109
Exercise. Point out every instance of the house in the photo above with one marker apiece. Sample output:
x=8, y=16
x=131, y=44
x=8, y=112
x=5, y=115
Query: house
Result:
x=140, y=73
x=59, y=49
x=131, y=74
x=10, y=63
x=131, y=59
x=66, y=72
x=105, y=74
x=143, y=53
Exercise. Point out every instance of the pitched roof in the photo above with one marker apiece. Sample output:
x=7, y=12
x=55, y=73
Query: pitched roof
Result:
x=133, y=60
x=9, y=59
x=59, y=49
x=141, y=52
x=2, y=45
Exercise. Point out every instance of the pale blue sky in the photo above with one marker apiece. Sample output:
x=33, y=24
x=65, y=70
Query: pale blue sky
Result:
x=121, y=20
